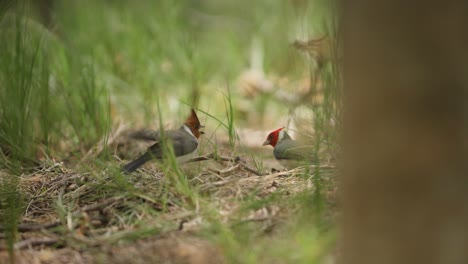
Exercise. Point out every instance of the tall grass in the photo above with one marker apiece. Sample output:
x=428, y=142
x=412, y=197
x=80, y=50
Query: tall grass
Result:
x=88, y=113
x=39, y=105
x=19, y=61
x=46, y=95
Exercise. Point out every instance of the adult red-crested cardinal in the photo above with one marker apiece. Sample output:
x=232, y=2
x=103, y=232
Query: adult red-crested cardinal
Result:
x=183, y=141
x=287, y=151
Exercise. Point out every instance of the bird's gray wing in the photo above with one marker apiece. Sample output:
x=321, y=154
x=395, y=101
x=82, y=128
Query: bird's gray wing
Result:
x=292, y=150
x=156, y=150
x=181, y=142
x=146, y=134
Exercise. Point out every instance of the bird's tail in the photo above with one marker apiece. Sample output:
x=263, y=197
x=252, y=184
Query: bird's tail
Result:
x=132, y=166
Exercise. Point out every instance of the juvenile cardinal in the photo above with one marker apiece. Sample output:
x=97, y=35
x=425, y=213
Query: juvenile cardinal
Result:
x=287, y=151
x=184, y=142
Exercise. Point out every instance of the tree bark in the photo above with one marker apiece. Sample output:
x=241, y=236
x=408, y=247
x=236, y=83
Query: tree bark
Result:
x=405, y=182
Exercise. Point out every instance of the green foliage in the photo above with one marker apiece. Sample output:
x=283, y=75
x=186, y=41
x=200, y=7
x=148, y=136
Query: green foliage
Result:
x=48, y=93
x=19, y=62
x=63, y=87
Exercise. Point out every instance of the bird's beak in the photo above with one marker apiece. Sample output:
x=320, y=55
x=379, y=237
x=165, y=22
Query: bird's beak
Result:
x=267, y=142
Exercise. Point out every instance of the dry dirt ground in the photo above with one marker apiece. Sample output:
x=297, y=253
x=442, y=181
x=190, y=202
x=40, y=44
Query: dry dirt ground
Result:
x=97, y=216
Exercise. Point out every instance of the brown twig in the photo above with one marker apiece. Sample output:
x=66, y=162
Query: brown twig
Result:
x=33, y=227
x=32, y=242
x=213, y=156
x=207, y=186
x=252, y=170
x=98, y=206
x=238, y=160
x=230, y=169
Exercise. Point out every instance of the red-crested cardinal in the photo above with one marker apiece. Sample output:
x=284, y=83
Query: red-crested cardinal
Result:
x=183, y=141
x=287, y=151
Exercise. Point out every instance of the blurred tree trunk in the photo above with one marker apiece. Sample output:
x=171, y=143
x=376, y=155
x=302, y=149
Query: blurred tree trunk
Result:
x=405, y=187
x=46, y=11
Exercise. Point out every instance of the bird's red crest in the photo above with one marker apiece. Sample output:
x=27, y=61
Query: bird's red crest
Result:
x=272, y=138
x=194, y=124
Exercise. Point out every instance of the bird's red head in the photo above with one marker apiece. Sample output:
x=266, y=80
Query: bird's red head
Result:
x=194, y=124
x=273, y=137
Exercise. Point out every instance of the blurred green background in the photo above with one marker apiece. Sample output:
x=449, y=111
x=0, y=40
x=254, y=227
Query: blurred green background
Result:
x=71, y=70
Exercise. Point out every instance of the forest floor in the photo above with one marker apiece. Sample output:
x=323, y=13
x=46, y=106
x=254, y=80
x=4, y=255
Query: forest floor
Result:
x=152, y=216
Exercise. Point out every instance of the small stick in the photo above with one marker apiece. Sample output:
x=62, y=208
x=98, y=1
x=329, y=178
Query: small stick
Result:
x=230, y=169
x=252, y=170
x=213, y=156
x=100, y=205
x=33, y=242
x=29, y=227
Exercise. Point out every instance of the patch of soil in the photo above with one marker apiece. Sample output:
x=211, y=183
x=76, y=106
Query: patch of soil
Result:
x=178, y=249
